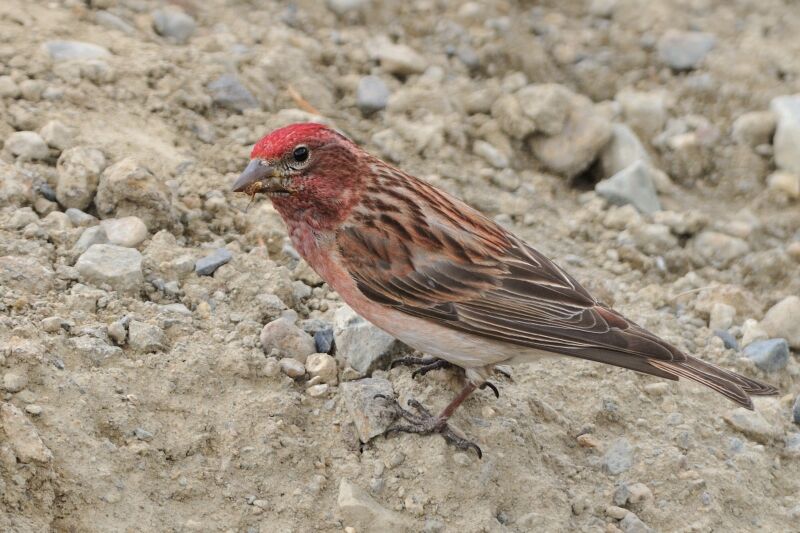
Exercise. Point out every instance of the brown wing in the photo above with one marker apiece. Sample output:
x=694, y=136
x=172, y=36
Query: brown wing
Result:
x=429, y=255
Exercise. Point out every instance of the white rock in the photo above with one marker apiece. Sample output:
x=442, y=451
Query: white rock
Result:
x=717, y=249
x=372, y=94
x=752, y=331
x=108, y=264
x=292, y=368
x=323, y=366
x=90, y=236
x=492, y=155
x=289, y=340
x=722, y=316
x=623, y=150
x=69, y=50
x=752, y=424
x=754, y=128
x=371, y=416
x=126, y=231
x=358, y=509
x=26, y=145
x=174, y=24
x=547, y=105
x=79, y=172
x=315, y=391
x=22, y=436
x=787, y=133
x=684, y=50
x=15, y=381
x=399, y=59
x=632, y=185
x=783, y=320
x=785, y=183
x=56, y=135
x=645, y=112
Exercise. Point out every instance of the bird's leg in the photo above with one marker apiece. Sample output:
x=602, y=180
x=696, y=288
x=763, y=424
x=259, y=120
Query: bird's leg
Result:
x=427, y=364
x=425, y=423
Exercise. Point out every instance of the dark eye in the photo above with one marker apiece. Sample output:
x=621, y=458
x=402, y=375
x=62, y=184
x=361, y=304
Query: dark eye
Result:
x=300, y=154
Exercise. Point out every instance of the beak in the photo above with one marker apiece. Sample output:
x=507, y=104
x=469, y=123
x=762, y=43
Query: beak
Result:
x=257, y=170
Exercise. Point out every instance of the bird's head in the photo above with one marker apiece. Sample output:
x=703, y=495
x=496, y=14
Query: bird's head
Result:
x=307, y=170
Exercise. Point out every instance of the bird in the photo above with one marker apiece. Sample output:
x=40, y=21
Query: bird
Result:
x=443, y=278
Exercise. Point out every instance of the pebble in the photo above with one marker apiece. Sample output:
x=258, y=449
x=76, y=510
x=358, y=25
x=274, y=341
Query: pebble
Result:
x=587, y=440
x=56, y=135
x=229, y=93
x=143, y=434
x=398, y=59
x=684, y=50
x=785, y=183
x=14, y=381
x=372, y=95
x=769, y=355
x=657, y=389
x=721, y=316
x=33, y=409
x=292, y=368
x=315, y=391
x=718, y=249
x=371, y=416
x=752, y=424
x=173, y=24
x=787, y=132
x=127, y=231
x=623, y=150
x=79, y=170
x=22, y=436
x=323, y=340
x=89, y=237
x=362, y=345
x=752, y=331
x=728, y=340
x=79, y=218
x=619, y=457
x=108, y=264
x=490, y=154
x=26, y=146
x=118, y=331
x=632, y=524
x=632, y=185
x=342, y=7
x=616, y=512
x=8, y=87
x=74, y=50
x=796, y=411
x=645, y=112
x=547, y=105
x=323, y=366
x=289, y=340
x=96, y=350
x=358, y=509
x=783, y=320
x=206, y=266
x=52, y=324
x=112, y=21
x=754, y=128
x=144, y=337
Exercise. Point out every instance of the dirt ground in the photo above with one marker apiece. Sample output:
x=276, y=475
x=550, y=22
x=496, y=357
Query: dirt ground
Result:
x=138, y=395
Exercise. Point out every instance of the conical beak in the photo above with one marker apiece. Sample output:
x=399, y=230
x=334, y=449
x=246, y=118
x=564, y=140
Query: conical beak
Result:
x=257, y=170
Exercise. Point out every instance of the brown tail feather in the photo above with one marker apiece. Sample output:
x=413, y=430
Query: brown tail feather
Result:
x=736, y=387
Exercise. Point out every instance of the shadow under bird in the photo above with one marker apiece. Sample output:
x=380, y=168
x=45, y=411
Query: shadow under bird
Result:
x=438, y=275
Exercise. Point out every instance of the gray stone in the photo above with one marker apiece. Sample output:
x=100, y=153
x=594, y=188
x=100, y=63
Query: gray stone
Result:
x=752, y=424
x=371, y=416
x=94, y=349
x=341, y=7
x=26, y=274
x=323, y=340
x=228, y=92
x=13, y=191
x=69, y=50
x=684, y=50
x=791, y=446
x=79, y=172
x=372, y=94
x=398, y=59
x=490, y=153
x=56, y=135
x=358, y=509
x=289, y=340
x=623, y=150
x=144, y=337
x=787, y=133
x=126, y=231
x=632, y=524
x=783, y=320
x=632, y=185
x=90, y=236
x=292, y=368
x=754, y=128
x=26, y=146
x=796, y=411
x=22, y=436
x=173, y=24
x=363, y=346
x=206, y=266
x=80, y=218
x=143, y=434
x=619, y=457
x=727, y=339
x=108, y=264
x=110, y=20
x=769, y=355
x=717, y=249
x=547, y=105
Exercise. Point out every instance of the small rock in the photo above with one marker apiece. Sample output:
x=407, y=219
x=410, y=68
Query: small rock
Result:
x=89, y=237
x=209, y=264
x=79, y=172
x=52, y=324
x=721, y=317
x=229, y=93
x=143, y=434
x=639, y=493
x=796, y=411
x=370, y=415
x=492, y=155
x=616, y=512
x=360, y=510
x=752, y=331
x=292, y=368
x=323, y=340
x=107, y=264
x=22, y=436
x=632, y=524
x=112, y=21
x=717, y=249
x=14, y=381
x=787, y=133
x=547, y=105
x=33, y=409
x=399, y=59
x=754, y=128
x=173, y=24
x=645, y=112
x=342, y=7
x=623, y=150
x=25, y=273
x=69, y=50
x=144, y=337
x=684, y=50
x=587, y=440
x=752, y=424
x=118, y=331
x=323, y=366
x=791, y=446
x=79, y=218
x=360, y=344
x=785, y=183
x=657, y=389
x=289, y=340
x=8, y=87
x=56, y=135
x=769, y=355
x=508, y=112
x=783, y=320
x=315, y=391
x=728, y=340
x=619, y=457
x=127, y=231
x=632, y=185
x=372, y=95
x=26, y=146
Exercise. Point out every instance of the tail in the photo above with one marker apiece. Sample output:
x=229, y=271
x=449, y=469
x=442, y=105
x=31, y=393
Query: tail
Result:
x=736, y=387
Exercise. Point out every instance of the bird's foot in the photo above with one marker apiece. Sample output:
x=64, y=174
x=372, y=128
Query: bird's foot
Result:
x=426, y=364
x=422, y=422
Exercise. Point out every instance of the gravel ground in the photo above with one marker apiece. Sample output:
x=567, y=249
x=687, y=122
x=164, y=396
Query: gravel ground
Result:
x=169, y=364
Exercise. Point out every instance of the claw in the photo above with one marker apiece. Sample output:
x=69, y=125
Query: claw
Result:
x=491, y=386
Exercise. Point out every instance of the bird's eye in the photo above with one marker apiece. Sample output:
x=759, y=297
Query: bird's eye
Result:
x=300, y=154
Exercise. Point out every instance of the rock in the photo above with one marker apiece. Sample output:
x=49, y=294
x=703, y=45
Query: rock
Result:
x=323, y=340
x=722, y=316
x=127, y=231
x=632, y=524
x=144, y=337
x=13, y=191
x=90, y=236
x=127, y=188
x=754, y=128
x=289, y=340
x=796, y=411
x=657, y=389
x=342, y=7
x=112, y=21
x=398, y=59
x=371, y=416
x=785, y=183
x=143, y=434
x=80, y=218
x=752, y=331
x=752, y=424
x=56, y=135
x=619, y=457
x=623, y=150
x=571, y=151
x=372, y=95
x=728, y=340
x=508, y=112
x=74, y=50
x=769, y=355
x=173, y=24
x=316, y=391
x=108, y=264
x=717, y=249
x=787, y=132
x=8, y=88
x=26, y=146
x=359, y=510
x=14, y=381
x=547, y=105
x=292, y=368
x=791, y=447
x=79, y=172
x=645, y=112
x=783, y=320
x=229, y=93
x=616, y=512
x=632, y=185
x=94, y=349
x=323, y=366
x=118, y=331
x=206, y=266
x=684, y=50
x=492, y=155
x=22, y=436
x=52, y=324
x=360, y=344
